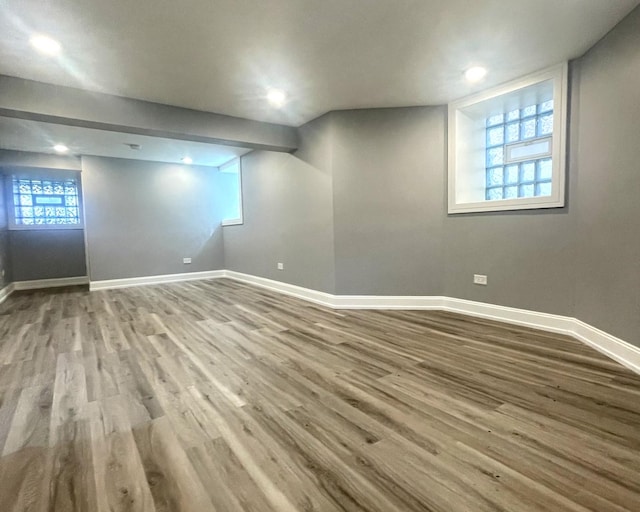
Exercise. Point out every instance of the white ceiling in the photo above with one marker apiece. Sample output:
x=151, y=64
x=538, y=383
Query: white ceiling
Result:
x=222, y=55
x=37, y=137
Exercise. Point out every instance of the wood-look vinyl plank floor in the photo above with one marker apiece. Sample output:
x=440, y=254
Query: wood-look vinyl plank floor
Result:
x=219, y=396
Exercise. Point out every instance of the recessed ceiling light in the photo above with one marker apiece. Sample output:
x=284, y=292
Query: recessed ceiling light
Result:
x=475, y=74
x=276, y=97
x=46, y=45
x=187, y=160
x=61, y=148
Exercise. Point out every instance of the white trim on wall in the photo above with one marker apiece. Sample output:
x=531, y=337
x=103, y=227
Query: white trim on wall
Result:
x=388, y=302
x=5, y=292
x=523, y=317
x=150, y=280
x=317, y=297
x=619, y=350
x=614, y=348
x=625, y=353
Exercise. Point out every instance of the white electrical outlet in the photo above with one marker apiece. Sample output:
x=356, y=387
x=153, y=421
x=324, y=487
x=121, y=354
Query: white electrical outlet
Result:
x=480, y=279
x=280, y=266
x=186, y=261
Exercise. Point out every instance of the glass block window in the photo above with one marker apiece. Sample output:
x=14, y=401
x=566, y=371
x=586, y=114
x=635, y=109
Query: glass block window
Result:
x=46, y=202
x=507, y=145
x=508, y=136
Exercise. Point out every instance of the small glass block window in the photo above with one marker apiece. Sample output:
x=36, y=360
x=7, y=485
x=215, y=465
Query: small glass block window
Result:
x=46, y=202
x=528, y=128
x=513, y=132
x=513, y=115
x=495, y=176
x=495, y=156
x=513, y=174
x=510, y=192
x=495, y=136
x=545, y=124
x=494, y=120
x=528, y=172
x=544, y=170
x=531, y=178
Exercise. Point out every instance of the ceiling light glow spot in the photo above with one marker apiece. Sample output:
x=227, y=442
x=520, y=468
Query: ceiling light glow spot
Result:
x=475, y=74
x=276, y=97
x=187, y=160
x=45, y=45
x=61, y=148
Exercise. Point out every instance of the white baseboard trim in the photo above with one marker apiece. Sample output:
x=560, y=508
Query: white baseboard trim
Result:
x=322, y=298
x=615, y=348
x=523, y=317
x=150, y=280
x=5, y=292
x=388, y=302
x=340, y=301
x=37, y=284
x=619, y=350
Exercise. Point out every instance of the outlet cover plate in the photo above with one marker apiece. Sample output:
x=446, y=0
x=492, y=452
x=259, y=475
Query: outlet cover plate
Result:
x=480, y=279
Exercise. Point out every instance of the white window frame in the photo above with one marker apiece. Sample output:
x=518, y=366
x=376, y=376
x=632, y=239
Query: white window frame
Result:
x=467, y=139
x=40, y=174
x=227, y=168
x=510, y=159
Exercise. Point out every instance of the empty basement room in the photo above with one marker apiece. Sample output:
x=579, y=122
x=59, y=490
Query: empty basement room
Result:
x=287, y=256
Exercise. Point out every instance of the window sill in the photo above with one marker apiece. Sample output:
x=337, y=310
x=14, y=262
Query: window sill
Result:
x=505, y=205
x=232, y=222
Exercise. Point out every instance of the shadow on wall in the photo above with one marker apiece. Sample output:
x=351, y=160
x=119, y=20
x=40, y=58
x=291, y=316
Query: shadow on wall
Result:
x=211, y=251
x=47, y=254
x=5, y=262
x=143, y=218
x=288, y=214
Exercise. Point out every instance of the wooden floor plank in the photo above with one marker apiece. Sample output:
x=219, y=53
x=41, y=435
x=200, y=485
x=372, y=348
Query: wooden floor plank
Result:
x=220, y=396
x=174, y=485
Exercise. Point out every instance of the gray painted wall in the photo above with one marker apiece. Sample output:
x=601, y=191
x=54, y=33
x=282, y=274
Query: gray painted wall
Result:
x=142, y=218
x=386, y=170
x=5, y=262
x=288, y=213
x=529, y=259
x=582, y=260
x=528, y=255
x=388, y=200
x=47, y=254
x=606, y=129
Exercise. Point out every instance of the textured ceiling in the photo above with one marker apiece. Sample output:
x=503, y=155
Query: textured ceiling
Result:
x=222, y=56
